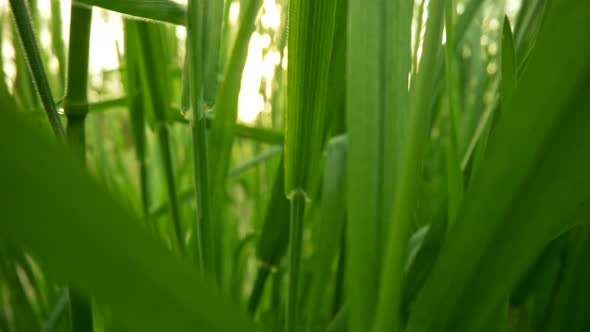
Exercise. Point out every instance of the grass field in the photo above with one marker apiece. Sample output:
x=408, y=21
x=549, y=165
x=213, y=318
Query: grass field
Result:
x=295, y=165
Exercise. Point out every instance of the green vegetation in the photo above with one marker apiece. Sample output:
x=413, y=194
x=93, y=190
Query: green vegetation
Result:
x=414, y=166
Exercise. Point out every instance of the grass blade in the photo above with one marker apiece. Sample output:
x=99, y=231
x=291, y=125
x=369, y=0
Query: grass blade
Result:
x=223, y=127
x=332, y=224
x=512, y=151
x=142, y=282
x=35, y=65
x=311, y=30
x=377, y=100
x=153, y=72
x=508, y=62
x=158, y=10
x=388, y=316
x=274, y=237
x=57, y=44
x=135, y=105
x=213, y=19
x=196, y=63
x=454, y=172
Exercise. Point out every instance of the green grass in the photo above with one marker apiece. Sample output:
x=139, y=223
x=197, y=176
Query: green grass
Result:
x=418, y=167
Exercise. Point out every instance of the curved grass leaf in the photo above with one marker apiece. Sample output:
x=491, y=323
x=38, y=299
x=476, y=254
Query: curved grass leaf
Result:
x=537, y=119
x=158, y=10
x=145, y=285
x=223, y=127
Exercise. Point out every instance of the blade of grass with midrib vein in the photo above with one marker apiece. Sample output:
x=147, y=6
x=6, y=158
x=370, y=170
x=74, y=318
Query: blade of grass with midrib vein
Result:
x=377, y=104
x=35, y=65
x=311, y=29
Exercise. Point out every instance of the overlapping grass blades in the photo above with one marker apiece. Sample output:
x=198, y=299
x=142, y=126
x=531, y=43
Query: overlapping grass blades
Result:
x=35, y=65
x=377, y=104
x=150, y=288
x=523, y=149
x=311, y=30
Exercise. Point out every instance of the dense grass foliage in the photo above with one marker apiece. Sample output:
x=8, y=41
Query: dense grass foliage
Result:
x=417, y=166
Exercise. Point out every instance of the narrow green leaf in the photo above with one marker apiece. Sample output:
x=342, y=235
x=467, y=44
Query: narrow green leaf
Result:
x=35, y=65
x=454, y=172
x=159, y=10
x=226, y=111
x=332, y=224
x=297, y=214
x=213, y=19
x=57, y=312
x=274, y=237
x=195, y=63
x=508, y=62
x=146, y=286
x=135, y=105
x=153, y=67
x=405, y=196
x=311, y=31
x=529, y=151
x=528, y=27
x=379, y=53
x=57, y=44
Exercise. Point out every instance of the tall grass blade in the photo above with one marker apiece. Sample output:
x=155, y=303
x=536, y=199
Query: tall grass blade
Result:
x=377, y=102
x=195, y=64
x=554, y=71
x=213, y=18
x=142, y=282
x=405, y=196
x=508, y=64
x=311, y=30
x=35, y=65
x=223, y=127
x=454, y=172
x=274, y=237
x=57, y=44
x=331, y=227
x=136, y=108
x=154, y=72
